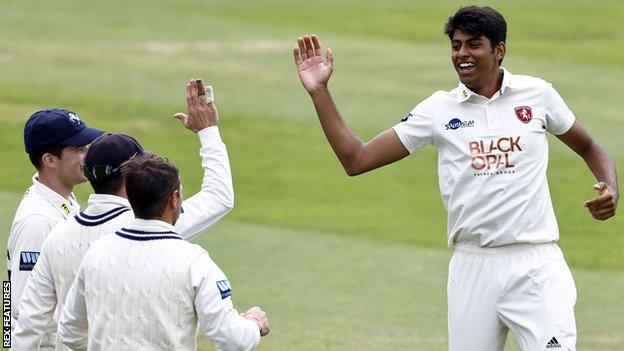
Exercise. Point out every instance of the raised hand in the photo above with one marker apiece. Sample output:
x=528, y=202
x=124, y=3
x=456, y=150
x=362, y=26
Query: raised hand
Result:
x=605, y=204
x=314, y=70
x=201, y=114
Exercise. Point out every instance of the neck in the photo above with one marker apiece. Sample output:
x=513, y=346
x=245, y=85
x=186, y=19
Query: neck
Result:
x=491, y=86
x=55, y=184
x=167, y=216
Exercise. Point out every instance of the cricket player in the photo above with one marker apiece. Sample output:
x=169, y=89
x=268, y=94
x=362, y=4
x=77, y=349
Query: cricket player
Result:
x=109, y=210
x=143, y=288
x=55, y=140
x=490, y=132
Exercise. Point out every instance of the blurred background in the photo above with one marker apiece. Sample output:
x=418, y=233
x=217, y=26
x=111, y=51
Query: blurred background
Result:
x=338, y=263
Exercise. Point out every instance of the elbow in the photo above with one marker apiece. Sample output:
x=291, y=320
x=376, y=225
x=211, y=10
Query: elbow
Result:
x=228, y=203
x=352, y=172
x=353, y=169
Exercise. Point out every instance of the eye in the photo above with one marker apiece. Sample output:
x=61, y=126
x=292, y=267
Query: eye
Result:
x=455, y=46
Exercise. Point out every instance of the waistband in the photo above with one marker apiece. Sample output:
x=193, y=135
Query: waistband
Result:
x=512, y=249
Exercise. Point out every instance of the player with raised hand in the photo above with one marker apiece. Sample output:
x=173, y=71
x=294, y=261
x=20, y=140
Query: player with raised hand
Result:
x=143, y=288
x=109, y=210
x=506, y=272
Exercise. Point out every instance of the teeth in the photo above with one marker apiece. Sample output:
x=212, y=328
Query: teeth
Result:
x=466, y=64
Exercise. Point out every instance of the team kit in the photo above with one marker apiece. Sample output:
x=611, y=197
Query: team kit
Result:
x=120, y=274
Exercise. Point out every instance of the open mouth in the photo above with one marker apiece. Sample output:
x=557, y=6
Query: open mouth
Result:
x=466, y=67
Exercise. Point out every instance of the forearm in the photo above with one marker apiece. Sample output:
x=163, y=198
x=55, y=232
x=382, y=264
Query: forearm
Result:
x=216, y=197
x=345, y=144
x=601, y=164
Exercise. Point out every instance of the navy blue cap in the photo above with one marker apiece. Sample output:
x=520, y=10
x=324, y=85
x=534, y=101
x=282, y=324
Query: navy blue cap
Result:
x=107, y=153
x=52, y=127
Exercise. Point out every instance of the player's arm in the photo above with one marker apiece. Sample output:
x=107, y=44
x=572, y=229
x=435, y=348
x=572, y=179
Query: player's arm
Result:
x=355, y=156
x=25, y=247
x=216, y=197
x=602, y=166
x=37, y=306
x=73, y=323
x=218, y=320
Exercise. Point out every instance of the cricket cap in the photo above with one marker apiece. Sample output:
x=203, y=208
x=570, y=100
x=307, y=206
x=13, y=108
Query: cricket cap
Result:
x=107, y=153
x=52, y=127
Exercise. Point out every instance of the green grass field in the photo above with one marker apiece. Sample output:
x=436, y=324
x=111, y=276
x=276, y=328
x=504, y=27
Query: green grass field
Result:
x=339, y=263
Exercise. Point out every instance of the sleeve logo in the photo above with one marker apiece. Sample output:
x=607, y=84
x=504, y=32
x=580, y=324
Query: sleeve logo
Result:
x=28, y=260
x=224, y=288
x=406, y=117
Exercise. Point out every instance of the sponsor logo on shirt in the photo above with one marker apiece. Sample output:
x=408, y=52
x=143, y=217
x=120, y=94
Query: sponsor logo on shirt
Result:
x=224, y=288
x=28, y=260
x=65, y=209
x=405, y=118
x=457, y=123
x=494, y=156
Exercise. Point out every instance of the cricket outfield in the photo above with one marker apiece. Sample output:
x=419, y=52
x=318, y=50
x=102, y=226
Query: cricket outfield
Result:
x=338, y=263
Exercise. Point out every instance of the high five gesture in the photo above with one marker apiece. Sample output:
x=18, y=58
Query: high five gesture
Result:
x=314, y=70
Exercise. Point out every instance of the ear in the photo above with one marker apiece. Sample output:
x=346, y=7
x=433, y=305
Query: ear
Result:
x=174, y=199
x=49, y=160
x=500, y=50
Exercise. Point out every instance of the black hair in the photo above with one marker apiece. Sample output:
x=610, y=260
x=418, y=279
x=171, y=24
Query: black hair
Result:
x=149, y=180
x=478, y=21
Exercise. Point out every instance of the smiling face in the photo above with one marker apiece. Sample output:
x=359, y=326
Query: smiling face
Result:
x=69, y=165
x=475, y=62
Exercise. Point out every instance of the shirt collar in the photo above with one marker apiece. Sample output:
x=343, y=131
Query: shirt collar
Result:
x=463, y=93
x=150, y=225
x=98, y=199
x=67, y=207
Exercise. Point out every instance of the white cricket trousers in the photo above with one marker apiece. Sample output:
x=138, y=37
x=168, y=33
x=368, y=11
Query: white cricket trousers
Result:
x=527, y=288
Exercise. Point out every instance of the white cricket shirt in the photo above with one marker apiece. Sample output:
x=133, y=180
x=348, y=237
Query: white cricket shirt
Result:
x=492, y=158
x=39, y=211
x=143, y=288
x=68, y=242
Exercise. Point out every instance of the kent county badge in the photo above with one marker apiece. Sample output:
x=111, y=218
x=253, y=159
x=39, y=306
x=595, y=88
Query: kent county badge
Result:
x=524, y=114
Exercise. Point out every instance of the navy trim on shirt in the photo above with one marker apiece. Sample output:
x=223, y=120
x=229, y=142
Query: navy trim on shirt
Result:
x=92, y=221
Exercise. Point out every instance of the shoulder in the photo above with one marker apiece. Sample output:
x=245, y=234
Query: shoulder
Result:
x=33, y=204
x=58, y=234
x=529, y=82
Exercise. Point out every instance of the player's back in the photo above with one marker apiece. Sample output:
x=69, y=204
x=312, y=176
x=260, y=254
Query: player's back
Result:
x=137, y=292
x=69, y=241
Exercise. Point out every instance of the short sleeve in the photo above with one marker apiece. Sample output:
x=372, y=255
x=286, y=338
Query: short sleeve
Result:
x=415, y=129
x=559, y=118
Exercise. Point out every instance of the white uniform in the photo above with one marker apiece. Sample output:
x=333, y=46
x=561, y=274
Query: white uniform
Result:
x=38, y=212
x=142, y=288
x=66, y=245
x=492, y=160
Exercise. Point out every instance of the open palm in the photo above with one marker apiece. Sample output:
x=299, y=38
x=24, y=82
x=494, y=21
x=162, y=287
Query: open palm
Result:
x=314, y=70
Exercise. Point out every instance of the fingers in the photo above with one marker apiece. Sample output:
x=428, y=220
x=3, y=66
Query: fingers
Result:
x=181, y=116
x=302, y=48
x=329, y=57
x=194, y=96
x=600, y=186
x=309, y=45
x=603, y=214
x=188, y=95
x=297, y=55
x=316, y=45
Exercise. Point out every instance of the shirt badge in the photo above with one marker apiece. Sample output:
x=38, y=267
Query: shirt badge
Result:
x=28, y=260
x=224, y=288
x=524, y=114
x=65, y=209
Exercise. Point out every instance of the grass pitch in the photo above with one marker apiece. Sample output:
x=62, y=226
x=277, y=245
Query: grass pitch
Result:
x=339, y=263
